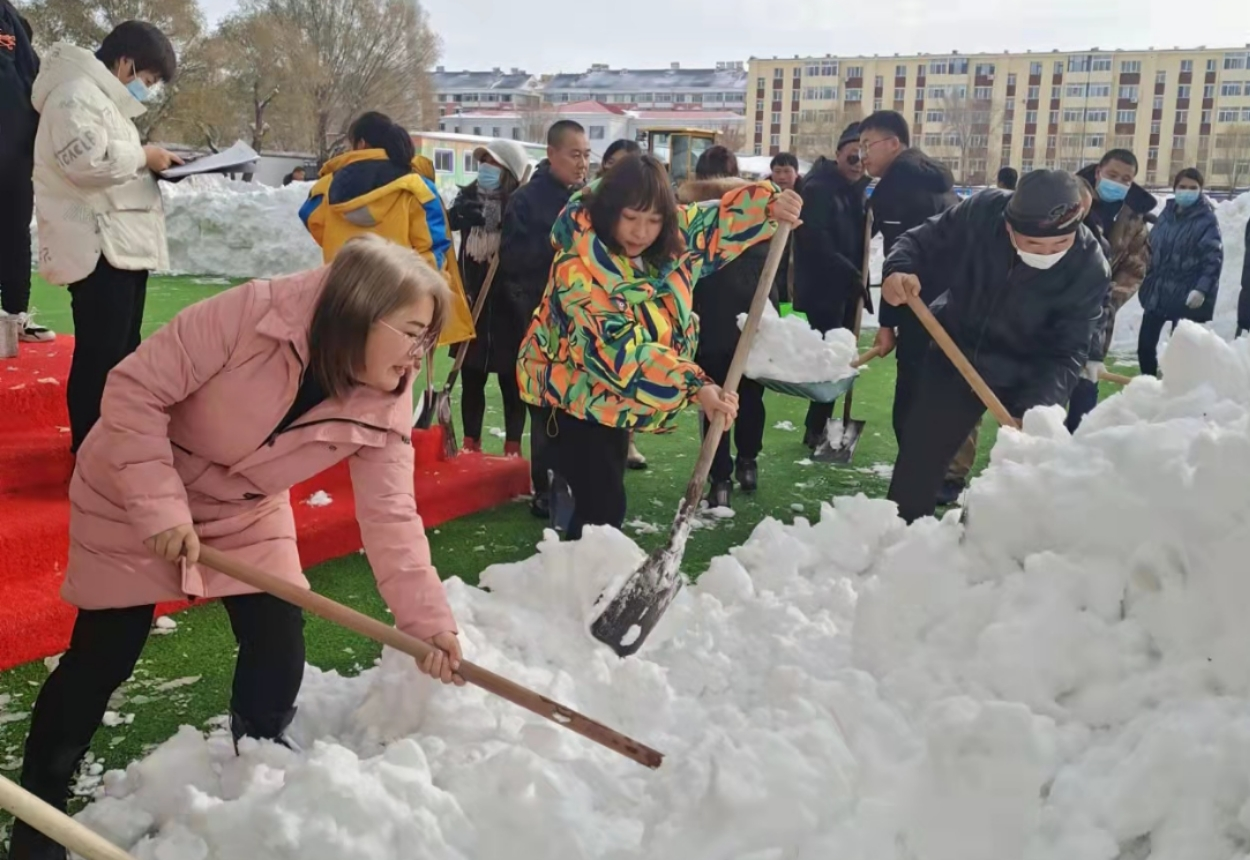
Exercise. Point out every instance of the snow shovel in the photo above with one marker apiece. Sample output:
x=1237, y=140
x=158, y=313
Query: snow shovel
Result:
x=1117, y=378
x=400, y=641
x=957, y=358
x=442, y=400
x=425, y=412
x=624, y=616
x=56, y=825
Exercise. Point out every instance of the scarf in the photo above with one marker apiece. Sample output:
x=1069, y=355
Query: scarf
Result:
x=483, y=241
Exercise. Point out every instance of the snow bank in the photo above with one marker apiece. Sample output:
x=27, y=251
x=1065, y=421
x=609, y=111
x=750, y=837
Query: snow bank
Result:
x=218, y=226
x=788, y=349
x=1064, y=678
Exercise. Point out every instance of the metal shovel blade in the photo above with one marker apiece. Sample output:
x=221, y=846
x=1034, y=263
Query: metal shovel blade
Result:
x=848, y=433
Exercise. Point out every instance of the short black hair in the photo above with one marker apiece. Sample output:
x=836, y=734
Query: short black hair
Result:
x=636, y=182
x=1008, y=177
x=718, y=161
x=379, y=131
x=624, y=146
x=1189, y=173
x=1122, y=155
x=555, y=134
x=889, y=121
x=145, y=44
x=784, y=159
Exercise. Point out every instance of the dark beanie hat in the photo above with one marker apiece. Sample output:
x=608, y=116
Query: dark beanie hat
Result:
x=1045, y=203
x=851, y=135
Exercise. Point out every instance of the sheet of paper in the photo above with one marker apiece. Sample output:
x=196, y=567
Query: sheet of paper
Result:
x=236, y=156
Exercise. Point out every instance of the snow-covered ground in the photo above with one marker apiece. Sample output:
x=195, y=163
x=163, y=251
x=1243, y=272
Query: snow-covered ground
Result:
x=1065, y=677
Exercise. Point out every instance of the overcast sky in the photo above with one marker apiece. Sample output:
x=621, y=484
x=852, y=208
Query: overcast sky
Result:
x=568, y=35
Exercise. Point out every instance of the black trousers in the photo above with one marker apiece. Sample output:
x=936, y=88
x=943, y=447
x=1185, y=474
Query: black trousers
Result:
x=823, y=320
x=1082, y=402
x=591, y=459
x=17, y=191
x=103, y=650
x=942, y=412
x=748, y=430
x=473, y=404
x=1152, y=324
x=108, y=316
x=543, y=430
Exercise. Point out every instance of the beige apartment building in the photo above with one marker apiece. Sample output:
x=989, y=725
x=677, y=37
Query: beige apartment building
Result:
x=977, y=112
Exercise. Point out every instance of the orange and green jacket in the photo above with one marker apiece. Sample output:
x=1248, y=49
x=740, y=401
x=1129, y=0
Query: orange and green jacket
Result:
x=362, y=192
x=613, y=343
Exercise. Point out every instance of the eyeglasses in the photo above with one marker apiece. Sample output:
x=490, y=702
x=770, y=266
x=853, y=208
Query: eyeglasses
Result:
x=418, y=345
x=864, y=148
x=853, y=159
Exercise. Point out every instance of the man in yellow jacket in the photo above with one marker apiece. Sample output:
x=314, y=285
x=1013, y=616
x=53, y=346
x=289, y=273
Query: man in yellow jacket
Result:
x=381, y=186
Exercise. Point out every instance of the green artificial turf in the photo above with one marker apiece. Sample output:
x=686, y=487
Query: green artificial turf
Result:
x=203, y=648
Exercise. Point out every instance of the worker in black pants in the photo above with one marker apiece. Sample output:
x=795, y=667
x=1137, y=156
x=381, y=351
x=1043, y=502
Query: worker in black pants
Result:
x=1026, y=286
x=590, y=457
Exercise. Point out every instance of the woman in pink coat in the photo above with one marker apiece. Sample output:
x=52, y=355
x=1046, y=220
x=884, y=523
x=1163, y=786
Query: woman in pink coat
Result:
x=202, y=433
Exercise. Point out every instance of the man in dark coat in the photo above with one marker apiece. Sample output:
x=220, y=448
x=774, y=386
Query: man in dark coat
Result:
x=784, y=170
x=18, y=121
x=1243, y=299
x=525, y=257
x=829, y=252
x=913, y=188
x=1024, y=284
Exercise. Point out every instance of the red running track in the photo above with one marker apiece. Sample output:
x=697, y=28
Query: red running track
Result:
x=35, y=467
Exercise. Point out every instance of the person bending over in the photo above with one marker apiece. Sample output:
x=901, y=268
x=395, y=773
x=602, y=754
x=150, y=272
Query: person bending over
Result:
x=1025, y=286
x=612, y=344
x=325, y=361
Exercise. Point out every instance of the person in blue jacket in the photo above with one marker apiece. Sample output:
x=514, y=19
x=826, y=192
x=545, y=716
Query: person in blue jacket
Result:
x=1186, y=255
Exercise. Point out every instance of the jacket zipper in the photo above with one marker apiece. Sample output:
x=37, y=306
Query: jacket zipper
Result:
x=298, y=385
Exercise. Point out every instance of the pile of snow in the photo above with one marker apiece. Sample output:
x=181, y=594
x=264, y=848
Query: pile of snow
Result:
x=219, y=226
x=787, y=349
x=1067, y=677
x=1232, y=215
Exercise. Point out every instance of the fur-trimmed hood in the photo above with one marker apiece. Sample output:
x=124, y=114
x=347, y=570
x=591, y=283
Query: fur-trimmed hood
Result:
x=703, y=190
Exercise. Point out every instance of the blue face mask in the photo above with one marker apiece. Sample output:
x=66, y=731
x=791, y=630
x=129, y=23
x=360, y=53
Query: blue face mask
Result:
x=1187, y=196
x=137, y=87
x=488, y=176
x=1112, y=192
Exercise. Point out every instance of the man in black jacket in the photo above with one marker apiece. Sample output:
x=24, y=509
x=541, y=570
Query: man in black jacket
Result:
x=1243, y=300
x=1024, y=284
x=525, y=257
x=829, y=252
x=913, y=188
x=18, y=121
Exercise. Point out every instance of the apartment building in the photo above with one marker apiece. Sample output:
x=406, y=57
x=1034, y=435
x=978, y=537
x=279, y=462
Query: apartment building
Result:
x=976, y=112
x=722, y=88
x=496, y=90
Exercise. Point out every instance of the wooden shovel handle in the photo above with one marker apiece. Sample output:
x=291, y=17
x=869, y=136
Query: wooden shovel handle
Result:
x=957, y=358
x=56, y=825
x=866, y=357
x=1118, y=379
x=864, y=277
x=400, y=641
x=462, y=350
x=716, y=428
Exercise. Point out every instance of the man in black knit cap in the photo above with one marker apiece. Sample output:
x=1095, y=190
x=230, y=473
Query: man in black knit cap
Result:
x=1025, y=285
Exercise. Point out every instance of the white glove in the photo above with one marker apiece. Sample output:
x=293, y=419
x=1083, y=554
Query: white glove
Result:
x=1195, y=300
x=1093, y=370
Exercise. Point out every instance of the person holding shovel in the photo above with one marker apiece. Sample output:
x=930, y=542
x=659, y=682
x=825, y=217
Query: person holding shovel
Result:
x=478, y=216
x=612, y=344
x=1025, y=286
x=324, y=361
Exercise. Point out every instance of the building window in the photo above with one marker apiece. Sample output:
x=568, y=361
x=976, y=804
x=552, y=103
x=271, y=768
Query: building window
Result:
x=798, y=71
x=596, y=132
x=1210, y=65
x=445, y=160
x=876, y=104
x=1234, y=61
x=759, y=128
x=477, y=131
x=853, y=72
x=1095, y=141
x=776, y=118
x=1051, y=140
x=1130, y=67
x=959, y=66
x=1030, y=117
x=1034, y=93
x=1206, y=117
x=1011, y=79
x=1155, y=127
x=1182, y=117
x=919, y=94
x=983, y=94
x=1228, y=115
x=1124, y=141
x=932, y=141
x=1035, y=68
x=1026, y=166
x=774, y=140
x=1078, y=63
x=935, y=116
x=1056, y=92
x=828, y=70
x=938, y=67
x=1230, y=88
x=1158, y=103
x=879, y=82
x=759, y=83
x=1101, y=91
x=1075, y=91
x=1074, y=115
x=1125, y=117
x=1128, y=93
x=917, y=119
x=1007, y=126
x=759, y=149
x=1030, y=141
x=516, y=133
x=1161, y=77
x=1101, y=63
x=1097, y=115
x=856, y=95
x=1182, y=92
x=778, y=74
x=470, y=163
x=1208, y=91
x=1054, y=117
x=759, y=105
x=937, y=93
x=1178, y=141
x=900, y=94
x=495, y=131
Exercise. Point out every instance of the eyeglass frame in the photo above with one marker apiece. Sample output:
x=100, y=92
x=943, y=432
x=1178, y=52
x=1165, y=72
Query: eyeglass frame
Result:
x=419, y=346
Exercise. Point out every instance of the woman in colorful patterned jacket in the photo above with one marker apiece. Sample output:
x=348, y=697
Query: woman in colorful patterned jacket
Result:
x=611, y=347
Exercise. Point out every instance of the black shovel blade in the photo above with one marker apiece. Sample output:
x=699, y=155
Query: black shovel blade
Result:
x=427, y=411
x=843, y=452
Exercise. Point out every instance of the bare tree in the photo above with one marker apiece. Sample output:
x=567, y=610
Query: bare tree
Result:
x=732, y=137
x=1233, y=155
x=819, y=130
x=536, y=118
x=966, y=128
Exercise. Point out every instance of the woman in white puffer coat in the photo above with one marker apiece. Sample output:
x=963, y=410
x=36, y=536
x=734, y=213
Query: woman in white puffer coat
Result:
x=101, y=223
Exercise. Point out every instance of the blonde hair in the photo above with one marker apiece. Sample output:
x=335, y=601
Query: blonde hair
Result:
x=369, y=279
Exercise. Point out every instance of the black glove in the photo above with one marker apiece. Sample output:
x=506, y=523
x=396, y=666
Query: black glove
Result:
x=471, y=214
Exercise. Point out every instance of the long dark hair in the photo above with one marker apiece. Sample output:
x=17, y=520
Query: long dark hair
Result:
x=637, y=182
x=379, y=132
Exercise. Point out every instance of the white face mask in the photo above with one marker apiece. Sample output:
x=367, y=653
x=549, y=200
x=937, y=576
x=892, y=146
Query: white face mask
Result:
x=1041, y=261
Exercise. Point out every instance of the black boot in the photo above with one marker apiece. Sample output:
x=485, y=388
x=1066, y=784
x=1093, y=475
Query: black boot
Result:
x=952, y=489
x=812, y=439
x=267, y=728
x=719, y=495
x=562, y=505
x=747, y=473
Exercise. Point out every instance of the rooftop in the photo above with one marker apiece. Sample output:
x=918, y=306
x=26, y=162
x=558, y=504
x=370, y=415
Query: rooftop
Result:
x=496, y=79
x=602, y=79
x=1004, y=52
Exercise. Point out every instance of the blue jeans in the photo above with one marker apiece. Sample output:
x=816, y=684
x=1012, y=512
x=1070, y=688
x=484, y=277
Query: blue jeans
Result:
x=1084, y=399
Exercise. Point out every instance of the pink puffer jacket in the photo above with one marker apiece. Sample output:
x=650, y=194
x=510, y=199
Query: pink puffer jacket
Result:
x=186, y=434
